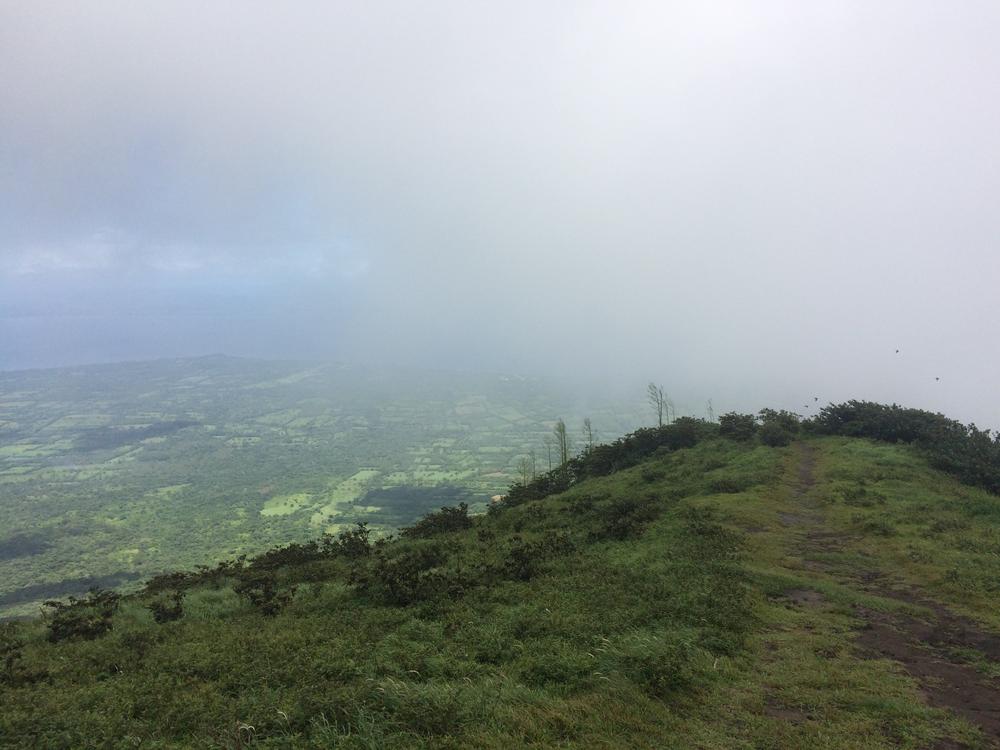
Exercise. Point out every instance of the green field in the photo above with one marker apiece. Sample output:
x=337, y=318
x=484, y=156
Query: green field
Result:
x=112, y=473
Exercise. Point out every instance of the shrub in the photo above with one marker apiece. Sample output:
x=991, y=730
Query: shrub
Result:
x=524, y=559
x=261, y=590
x=87, y=618
x=166, y=581
x=290, y=554
x=650, y=475
x=167, y=609
x=352, y=544
x=775, y=435
x=13, y=671
x=788, y=421
x=626, y=518
x=407, y=577
x=443, y=521
x=736, y=426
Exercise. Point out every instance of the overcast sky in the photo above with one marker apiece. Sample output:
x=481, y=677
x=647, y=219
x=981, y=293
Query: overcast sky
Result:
x=757, y=202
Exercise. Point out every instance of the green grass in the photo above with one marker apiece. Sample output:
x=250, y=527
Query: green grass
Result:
x=677, y=628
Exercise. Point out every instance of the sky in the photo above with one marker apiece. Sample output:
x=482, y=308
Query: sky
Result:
x=757, y=202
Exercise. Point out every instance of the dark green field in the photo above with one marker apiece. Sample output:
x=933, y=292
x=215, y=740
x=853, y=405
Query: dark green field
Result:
x=112, y=473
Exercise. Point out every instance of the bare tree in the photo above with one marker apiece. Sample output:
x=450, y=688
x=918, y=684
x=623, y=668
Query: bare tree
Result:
x=659, y=401
x=524, y=469
x=548, y=449
x=588, y=433
x=562, y=441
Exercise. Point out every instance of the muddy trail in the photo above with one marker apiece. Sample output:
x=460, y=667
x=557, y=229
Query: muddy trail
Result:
x=936, y=647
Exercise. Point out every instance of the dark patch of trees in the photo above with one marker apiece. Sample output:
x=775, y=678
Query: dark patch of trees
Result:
x=106, y=438
x=23, y=545
x=69, y=586
x=400, y=505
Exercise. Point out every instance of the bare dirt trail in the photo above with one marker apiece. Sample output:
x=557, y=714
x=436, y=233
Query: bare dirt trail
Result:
x=927, y=646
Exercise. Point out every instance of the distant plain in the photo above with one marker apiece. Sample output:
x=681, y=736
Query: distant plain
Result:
x=112, y=473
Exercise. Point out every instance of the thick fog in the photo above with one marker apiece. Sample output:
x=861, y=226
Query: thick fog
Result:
x=754, y=202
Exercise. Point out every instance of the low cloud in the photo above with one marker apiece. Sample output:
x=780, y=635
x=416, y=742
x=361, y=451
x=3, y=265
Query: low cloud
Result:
x=755, y=202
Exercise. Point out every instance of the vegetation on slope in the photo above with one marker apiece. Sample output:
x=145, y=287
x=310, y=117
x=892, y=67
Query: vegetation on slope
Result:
x=966, y=451
x=669, y=593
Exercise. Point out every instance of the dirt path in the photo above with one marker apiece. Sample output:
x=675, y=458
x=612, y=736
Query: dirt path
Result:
x=936, y=648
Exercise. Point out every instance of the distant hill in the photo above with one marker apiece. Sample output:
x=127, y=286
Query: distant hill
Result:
x=699, y=585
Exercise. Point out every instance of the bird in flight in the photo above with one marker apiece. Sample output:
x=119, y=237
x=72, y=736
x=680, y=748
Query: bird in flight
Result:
x=937, y=378
x=897, y=351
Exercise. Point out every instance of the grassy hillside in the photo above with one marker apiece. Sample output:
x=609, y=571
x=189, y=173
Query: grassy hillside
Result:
x=832, y=593
x=112, y=473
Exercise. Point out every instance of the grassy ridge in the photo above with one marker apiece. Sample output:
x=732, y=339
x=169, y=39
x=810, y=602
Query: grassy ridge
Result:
x=693, y=600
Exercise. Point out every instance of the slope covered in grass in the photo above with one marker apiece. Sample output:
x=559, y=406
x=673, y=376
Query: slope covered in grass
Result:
x=714, y=596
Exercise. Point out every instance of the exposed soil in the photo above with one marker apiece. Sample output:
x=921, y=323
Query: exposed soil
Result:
x=797, y=519
x=927, y=646
x=805, y=597
x=924, y=647
x=776, y=710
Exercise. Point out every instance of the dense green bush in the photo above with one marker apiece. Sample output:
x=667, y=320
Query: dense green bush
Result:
x=525, y=559
x=167, y=609
x=440, y=522
x=263, y=592
x=774, y=435
x=351, y=543
x=626, y=517
x=87, y=618
x=737, y=426
x=406, y=576
x=778, y=427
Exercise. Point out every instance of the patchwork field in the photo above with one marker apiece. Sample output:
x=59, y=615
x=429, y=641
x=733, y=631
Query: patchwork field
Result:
x=112, y=473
